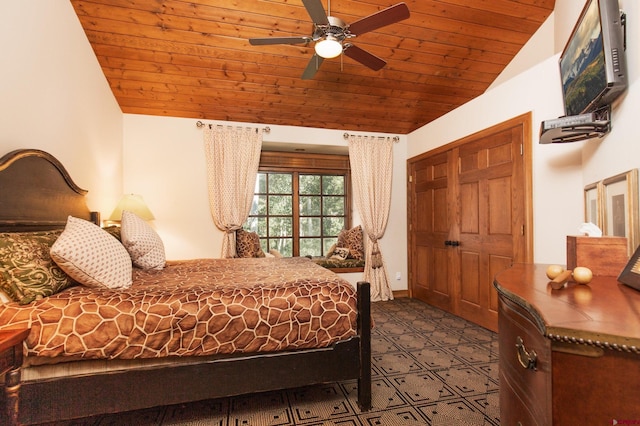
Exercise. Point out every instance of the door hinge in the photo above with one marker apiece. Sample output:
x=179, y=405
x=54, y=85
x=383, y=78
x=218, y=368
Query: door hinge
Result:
x=521, y=150
x=522, y=230
x=410, y=178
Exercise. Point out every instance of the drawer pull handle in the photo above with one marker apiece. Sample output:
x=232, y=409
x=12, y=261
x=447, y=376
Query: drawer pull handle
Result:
x=527, y=359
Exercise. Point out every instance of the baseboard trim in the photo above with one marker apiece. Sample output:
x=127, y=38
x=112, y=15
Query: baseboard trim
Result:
x=400, y=293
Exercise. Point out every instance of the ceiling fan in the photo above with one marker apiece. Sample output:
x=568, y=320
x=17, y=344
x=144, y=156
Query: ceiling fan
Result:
x=331, y=35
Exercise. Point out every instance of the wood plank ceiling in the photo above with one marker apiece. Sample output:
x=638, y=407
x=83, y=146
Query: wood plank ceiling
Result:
x=192, y=59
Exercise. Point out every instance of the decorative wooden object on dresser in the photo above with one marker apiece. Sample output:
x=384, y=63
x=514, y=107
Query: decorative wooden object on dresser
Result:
x=568, y=356
x=10, y=363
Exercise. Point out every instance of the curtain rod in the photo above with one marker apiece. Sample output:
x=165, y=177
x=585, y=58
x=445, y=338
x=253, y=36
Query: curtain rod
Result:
x=395, y=138
x=200, y=124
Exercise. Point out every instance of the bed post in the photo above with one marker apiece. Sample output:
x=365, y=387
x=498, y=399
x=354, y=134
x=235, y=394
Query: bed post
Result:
x=364, y=330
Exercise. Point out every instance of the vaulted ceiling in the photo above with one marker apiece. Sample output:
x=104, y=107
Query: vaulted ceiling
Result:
x=193, y=59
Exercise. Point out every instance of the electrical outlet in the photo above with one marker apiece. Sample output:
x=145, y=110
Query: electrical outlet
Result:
x=398, y=276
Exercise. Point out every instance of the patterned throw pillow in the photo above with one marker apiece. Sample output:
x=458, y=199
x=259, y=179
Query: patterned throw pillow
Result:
x=91, y=256
x=27, y=271
x=142, y=242
x=248, y=244
x=340, y=253
x=352, y=239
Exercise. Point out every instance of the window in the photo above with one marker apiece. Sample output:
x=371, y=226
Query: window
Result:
x=299, y=207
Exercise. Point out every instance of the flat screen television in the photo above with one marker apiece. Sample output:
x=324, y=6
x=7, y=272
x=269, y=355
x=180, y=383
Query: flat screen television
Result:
x=593, y=67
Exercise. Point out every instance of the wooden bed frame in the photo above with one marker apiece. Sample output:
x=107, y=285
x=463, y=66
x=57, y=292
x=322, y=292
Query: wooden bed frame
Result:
x=39, y=194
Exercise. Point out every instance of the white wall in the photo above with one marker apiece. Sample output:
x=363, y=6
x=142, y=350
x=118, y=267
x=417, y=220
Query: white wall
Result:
x=560, y=172
x=54, y=97
x=164, y=161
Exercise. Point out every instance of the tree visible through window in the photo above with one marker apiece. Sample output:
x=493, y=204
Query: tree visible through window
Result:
x=299, y=213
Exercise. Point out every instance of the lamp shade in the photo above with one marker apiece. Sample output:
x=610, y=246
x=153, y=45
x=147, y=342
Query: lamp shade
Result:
x=330, y=47
x=134, y=204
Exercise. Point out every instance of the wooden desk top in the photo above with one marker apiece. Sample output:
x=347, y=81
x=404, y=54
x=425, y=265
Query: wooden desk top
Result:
x=10, y=338
x=603, y=313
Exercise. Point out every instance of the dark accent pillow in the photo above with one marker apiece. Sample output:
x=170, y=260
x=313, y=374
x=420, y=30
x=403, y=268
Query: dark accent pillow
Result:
x=248, y=244
x=352, y=239
x=114, y=230
x=27, y=271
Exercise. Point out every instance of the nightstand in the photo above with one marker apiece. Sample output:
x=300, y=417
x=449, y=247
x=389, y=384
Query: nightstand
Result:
x=10, y=363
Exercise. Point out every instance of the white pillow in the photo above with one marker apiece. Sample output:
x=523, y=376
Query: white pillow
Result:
x=142, y=242
x=91, y=256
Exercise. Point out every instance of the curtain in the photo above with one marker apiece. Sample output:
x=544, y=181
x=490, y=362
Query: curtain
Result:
x=371, y=173
x=233, y=156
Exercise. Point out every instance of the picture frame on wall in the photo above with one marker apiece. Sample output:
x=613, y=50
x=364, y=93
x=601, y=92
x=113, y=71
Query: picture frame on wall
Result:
x=620, y=207
x=593, y=204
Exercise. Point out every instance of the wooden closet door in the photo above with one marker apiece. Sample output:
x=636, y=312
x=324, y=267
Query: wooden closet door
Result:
x=431, y=213
x=470, y=217
x=492, y=213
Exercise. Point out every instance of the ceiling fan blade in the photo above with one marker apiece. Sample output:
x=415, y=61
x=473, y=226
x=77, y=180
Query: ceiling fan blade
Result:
x=312, y=67
x=316, y=11
x=279, y=40
x=380, y=19
x=365, y=58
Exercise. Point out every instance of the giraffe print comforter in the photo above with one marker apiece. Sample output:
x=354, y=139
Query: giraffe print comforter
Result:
x=193, y=308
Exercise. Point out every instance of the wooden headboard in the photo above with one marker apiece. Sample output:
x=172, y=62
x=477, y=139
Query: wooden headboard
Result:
x=37, y=193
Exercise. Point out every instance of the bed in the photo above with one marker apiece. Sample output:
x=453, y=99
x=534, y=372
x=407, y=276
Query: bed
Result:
x=84, y=356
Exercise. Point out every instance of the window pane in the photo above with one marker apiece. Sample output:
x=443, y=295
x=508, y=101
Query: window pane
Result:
x=280, y=183
x=283, y=245
x=310, y=227
x=333, y=206
x=259, y=205
x=333, y=185
x=318, y=206
x=309, y=184
x=257, y=225
x=310, y=247
x=309, y=206
x=280, y=227
x=261, y=183
x=280, y=204
x=332, y=225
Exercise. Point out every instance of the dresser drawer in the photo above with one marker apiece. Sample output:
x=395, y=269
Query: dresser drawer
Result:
x=525, y=367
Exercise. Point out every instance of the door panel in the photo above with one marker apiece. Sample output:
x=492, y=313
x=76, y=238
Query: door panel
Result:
x=493, y=187
x=431, y=213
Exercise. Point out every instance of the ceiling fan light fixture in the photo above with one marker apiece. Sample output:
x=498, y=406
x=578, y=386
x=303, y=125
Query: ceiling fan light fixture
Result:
x=329, y=47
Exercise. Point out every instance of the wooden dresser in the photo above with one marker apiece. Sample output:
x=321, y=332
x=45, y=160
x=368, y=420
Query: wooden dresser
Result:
x=568, y=356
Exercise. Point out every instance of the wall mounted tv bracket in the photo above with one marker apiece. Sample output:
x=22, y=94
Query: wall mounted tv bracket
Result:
x=574, y=128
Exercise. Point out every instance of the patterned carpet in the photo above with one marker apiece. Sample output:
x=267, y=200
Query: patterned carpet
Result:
x=429, y=368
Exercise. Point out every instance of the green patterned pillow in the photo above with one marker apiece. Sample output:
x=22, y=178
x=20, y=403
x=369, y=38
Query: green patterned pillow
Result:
x=27, y=271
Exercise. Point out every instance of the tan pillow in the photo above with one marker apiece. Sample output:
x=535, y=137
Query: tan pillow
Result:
x=352, y=239
x=275, y=253
x=331, y=250
x=141, y=241
x=91, y=256
x=248, y=244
